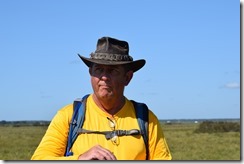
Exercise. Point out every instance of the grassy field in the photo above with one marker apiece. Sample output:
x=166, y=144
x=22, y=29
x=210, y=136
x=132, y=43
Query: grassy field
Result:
x=187, y=145
x=19, y=143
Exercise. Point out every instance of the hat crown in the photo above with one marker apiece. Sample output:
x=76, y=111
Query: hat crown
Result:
x=112, y=46
x=111, y=51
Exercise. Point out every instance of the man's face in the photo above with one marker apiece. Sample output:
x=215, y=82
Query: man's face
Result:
x=109, y=81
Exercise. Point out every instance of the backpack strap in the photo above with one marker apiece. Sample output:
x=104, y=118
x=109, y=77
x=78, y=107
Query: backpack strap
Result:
x=142, y=118
x=79, y=109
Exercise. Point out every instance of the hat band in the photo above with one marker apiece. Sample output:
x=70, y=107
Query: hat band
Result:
x=112, y=57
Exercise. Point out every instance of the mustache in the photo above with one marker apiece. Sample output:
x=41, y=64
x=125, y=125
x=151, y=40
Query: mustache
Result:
x=104, y=84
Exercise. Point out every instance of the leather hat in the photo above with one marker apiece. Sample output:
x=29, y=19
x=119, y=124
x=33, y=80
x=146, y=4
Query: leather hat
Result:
x=111, y=51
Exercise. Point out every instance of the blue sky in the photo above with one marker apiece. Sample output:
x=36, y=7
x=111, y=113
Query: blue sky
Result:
x=191, y=48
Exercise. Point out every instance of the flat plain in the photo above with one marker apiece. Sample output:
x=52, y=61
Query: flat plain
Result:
x=20, y=142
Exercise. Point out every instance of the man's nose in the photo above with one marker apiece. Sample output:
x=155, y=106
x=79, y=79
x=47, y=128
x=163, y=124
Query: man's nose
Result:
x=105, y=75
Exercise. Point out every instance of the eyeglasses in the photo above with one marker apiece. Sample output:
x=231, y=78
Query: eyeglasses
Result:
x=111, y=123
x=114, y=136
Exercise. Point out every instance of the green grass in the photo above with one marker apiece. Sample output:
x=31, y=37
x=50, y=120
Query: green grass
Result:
x=187, y=145
x=19, y=143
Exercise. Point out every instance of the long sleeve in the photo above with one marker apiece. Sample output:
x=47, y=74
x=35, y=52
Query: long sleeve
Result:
x=53, y=143
x=158, y=147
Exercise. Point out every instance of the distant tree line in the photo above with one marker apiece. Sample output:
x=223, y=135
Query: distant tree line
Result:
x=24, y=123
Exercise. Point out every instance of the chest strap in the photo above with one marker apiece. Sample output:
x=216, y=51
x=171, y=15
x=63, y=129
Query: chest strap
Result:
x=111, y=134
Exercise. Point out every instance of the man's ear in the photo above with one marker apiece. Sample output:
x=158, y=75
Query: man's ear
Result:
x=129, y=76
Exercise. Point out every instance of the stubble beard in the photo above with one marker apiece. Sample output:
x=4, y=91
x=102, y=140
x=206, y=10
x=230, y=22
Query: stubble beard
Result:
x=105, y=94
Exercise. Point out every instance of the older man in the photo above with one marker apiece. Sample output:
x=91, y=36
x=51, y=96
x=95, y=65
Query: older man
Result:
x=107, y=109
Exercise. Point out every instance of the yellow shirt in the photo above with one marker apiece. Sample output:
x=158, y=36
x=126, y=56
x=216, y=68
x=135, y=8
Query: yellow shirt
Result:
x=53, y=144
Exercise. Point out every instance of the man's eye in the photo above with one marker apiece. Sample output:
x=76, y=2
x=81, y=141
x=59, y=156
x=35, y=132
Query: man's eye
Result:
x=114, y=71
x=98, y=70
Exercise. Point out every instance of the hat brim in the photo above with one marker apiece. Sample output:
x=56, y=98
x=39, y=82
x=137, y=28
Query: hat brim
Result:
x=134, y=65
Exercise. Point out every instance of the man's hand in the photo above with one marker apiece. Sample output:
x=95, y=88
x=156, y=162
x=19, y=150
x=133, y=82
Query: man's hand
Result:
x=97, y=153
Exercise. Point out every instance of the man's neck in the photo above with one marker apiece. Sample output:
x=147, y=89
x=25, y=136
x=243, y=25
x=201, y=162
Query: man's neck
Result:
x=110, y=106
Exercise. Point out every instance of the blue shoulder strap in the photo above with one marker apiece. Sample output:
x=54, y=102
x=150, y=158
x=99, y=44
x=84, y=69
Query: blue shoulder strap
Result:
x=142, y=118
x=79, y=108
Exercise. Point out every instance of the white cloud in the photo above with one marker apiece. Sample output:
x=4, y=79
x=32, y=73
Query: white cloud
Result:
x=232, y=85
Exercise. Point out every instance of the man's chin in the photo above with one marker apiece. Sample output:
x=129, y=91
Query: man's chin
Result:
x=106, y=96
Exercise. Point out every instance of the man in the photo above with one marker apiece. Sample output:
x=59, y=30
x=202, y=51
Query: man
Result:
x=111, y=69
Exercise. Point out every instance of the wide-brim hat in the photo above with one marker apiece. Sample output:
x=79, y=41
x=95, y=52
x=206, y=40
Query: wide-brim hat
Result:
x=111, y=51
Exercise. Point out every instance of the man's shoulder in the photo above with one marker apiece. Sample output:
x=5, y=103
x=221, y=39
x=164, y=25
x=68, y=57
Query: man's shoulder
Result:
x=67, y=107
x=66, y=110
x=151, y=114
